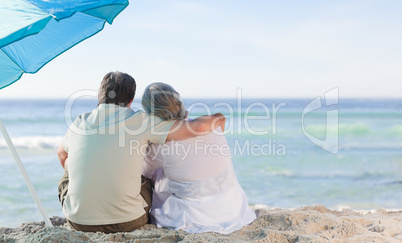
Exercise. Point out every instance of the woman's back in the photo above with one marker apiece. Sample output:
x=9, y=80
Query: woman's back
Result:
x=196, y=188
x=193, y=159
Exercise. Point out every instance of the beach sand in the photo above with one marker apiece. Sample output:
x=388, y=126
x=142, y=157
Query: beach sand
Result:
x=307, y=224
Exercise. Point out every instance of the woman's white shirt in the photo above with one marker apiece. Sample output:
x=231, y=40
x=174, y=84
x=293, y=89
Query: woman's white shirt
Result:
x=196, y=188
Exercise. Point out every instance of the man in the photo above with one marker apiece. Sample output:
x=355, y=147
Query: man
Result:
x=103, y=152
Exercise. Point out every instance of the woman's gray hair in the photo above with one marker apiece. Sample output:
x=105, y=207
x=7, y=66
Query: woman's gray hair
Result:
x=162, y=100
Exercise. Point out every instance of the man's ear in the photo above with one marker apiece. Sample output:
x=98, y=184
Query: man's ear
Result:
x=129, y=103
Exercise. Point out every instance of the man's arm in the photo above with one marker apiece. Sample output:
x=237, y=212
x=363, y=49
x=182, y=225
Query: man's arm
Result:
x=199, y=126
x=62, y=154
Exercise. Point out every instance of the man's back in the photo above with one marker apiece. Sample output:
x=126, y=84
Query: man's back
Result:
x=105, y=164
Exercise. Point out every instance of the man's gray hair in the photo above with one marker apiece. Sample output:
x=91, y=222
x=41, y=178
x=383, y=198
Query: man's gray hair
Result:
x=162, y=100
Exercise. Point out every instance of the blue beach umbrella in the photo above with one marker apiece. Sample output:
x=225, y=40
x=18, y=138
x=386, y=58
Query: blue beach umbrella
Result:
x=33, y=32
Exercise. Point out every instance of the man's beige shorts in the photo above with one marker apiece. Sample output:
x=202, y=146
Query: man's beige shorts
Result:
x=146, y=193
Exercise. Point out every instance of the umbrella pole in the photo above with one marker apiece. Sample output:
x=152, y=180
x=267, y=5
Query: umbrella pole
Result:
x=25, y=174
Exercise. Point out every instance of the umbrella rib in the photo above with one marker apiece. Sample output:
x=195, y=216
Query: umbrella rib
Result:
x=22, y=71
x=106, y=5
x=12, y=60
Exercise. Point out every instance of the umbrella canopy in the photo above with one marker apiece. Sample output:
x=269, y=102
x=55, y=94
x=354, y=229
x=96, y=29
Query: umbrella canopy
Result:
x=33, y=32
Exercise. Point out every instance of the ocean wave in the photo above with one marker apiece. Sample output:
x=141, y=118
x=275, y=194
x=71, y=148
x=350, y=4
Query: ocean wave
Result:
x=377, y=146
x=382, y=177
x=31, y=120
x=344, y=129
x=33, y=143
x=297, y=114
x=396, y=130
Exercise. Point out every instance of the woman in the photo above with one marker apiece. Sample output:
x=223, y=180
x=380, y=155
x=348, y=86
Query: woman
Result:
x=196, y=188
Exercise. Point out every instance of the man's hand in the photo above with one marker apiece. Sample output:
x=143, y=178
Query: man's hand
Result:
x=200, y=126
x=62, y=154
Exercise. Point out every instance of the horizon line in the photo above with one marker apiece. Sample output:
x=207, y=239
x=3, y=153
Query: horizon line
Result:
x=210, y=98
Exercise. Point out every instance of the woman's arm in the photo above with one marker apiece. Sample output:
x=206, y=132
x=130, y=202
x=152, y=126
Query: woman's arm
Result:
x=63, y=155
x=153, y=160
x=202, y=125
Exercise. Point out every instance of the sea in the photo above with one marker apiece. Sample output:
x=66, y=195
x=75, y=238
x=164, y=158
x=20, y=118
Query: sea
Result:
x=287, y=153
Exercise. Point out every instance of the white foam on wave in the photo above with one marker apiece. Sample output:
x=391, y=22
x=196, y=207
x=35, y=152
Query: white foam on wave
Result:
x=378, y=146
x=33, y=142
x=261, y=206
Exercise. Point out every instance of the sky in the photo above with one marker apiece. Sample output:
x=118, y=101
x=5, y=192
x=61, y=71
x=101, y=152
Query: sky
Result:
x=216, y=49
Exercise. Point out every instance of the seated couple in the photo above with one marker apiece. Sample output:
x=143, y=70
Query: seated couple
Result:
x=105, y=151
